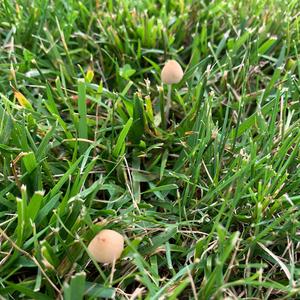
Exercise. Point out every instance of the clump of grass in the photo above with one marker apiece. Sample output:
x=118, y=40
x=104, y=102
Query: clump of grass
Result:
x=210, y=206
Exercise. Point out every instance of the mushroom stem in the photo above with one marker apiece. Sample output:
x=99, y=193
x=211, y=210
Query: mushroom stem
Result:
x=162, y=108
x=168, y=104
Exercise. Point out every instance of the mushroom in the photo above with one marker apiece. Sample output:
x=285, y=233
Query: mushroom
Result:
x=106, y=246
x=170, y=74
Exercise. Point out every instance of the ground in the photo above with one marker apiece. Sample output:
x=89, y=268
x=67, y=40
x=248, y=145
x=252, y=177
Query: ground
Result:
x=207, y=197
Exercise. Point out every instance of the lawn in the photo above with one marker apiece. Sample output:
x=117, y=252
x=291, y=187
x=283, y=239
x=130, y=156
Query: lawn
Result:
x=201, y=177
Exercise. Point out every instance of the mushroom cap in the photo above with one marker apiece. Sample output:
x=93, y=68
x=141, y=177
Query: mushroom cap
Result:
x=106, y=246
x=171, y=72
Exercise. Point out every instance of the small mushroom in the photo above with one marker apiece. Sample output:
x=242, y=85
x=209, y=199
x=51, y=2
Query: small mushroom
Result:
x=171, y=72
x=106, y=246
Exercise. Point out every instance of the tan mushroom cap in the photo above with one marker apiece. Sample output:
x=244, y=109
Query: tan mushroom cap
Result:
x=106, y=246
x=171, y=72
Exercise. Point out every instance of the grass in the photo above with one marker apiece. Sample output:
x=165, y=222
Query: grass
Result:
x=209, y=205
